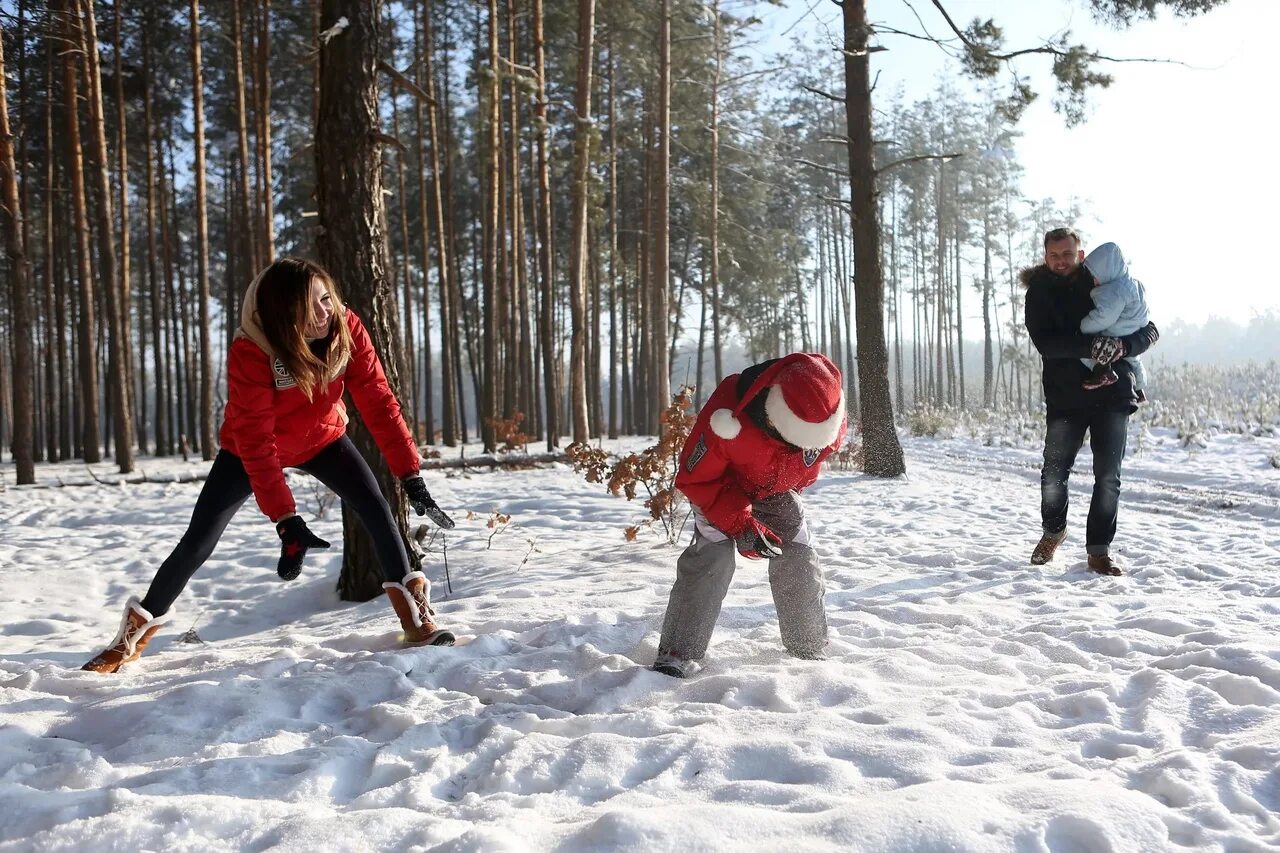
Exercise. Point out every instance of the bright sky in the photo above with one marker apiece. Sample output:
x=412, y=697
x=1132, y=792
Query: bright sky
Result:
x=1177, y=165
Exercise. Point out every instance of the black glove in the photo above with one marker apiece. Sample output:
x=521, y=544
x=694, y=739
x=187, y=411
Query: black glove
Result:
x=758, y=542
x=295, y=540
x=415, y=488
x=1105, y=350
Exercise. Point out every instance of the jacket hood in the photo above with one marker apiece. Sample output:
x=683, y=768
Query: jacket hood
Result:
x=250, y=326
x=1107, y=263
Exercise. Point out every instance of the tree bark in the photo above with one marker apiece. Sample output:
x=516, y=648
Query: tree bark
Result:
x=578, y=239
x=352, y=243
x=881, y=449
x=491, y=123
x=717, y=347
x=445, y=286
x=202, y=241
x=136, y=393
x=22, y=319
x=89, y=412
x=264, y=135
x=661, y=387
x=164, y=443
x=247, y=222
x=546, y=331
x=117, y=346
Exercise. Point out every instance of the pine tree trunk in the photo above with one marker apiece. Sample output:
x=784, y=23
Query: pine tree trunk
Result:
x=716, y=343
x=448, y=333
x=117, y=346
x=57, y=380
x=881, y=448
x=87, y=326
x=242, y=142
x=578, y=239
x=519, y=362
x=264, y=135
x=490, y=119
x=959, y=305
x=546, y=331
x=136, y=394
x=424, y=245
x=164, y=442
x=352, y=244
x=406, y=280
x=988, y=366
x=614, y=350
x=21, y=320
x=202, y=242
x=661, y=388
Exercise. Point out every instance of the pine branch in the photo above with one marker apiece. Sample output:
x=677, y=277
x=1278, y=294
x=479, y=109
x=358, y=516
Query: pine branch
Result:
x=945, y=158
x=405, y=83
x=1047, y=49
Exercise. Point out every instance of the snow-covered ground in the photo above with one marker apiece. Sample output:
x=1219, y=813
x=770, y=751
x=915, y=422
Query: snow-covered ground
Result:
x=971, y=702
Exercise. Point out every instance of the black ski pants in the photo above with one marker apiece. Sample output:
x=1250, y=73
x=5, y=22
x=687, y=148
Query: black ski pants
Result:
x=339, y=466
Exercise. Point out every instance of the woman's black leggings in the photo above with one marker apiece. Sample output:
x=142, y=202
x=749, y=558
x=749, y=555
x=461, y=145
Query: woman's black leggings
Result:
x=339, y=466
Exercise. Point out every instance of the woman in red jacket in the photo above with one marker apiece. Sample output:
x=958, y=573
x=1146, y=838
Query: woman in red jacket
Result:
x=296, y=349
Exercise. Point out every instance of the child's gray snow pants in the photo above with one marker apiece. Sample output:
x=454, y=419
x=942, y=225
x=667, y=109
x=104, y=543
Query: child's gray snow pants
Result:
x=705, y=568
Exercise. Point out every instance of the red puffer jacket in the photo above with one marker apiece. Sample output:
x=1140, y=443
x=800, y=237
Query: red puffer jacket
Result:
x=271, y=425
x=729, y=462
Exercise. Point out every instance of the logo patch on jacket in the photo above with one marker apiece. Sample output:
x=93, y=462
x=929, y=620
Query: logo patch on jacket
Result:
x=283, y=379
x=699, y=451
x=811, y=456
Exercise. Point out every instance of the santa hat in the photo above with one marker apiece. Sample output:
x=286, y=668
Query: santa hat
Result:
x=805, y=401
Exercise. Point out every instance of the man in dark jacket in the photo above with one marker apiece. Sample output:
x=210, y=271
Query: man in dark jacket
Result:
x=1057, y=300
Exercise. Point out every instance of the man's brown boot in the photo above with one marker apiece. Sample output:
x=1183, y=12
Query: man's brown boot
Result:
x=1103, y=564
x=1047, y=547
x=411, y=599
x=136, y=630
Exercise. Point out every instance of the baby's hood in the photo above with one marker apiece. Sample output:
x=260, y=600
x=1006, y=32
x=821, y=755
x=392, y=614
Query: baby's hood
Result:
x=1107, y=263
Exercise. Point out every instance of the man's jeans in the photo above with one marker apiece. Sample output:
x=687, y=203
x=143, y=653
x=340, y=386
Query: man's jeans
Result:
x=1108, y=433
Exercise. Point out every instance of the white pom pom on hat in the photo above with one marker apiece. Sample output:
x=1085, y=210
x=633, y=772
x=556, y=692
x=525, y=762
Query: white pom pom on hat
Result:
x=724, y=424
x=805, y=401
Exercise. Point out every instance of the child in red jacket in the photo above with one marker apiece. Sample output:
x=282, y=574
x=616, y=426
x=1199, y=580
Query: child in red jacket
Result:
x=295, y=351
x=757, y=443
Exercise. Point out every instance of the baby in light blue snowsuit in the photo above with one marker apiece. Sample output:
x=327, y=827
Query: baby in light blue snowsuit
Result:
x=1120, y=308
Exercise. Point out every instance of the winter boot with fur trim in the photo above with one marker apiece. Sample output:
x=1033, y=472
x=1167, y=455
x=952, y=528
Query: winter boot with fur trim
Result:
x=137, y=627
x=411, y=599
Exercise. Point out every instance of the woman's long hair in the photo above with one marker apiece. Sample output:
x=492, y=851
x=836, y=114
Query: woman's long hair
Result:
x=284, y=310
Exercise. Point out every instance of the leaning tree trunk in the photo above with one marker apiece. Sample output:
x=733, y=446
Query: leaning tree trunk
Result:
x=881, y=448
x=353, y=246
x=23, y=359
